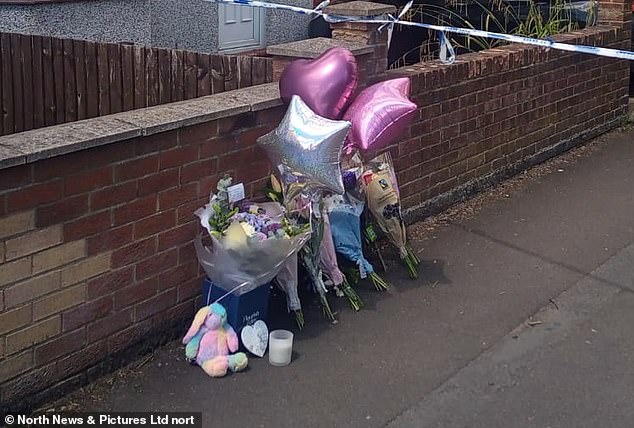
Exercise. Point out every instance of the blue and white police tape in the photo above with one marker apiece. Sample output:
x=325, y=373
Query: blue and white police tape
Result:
x=448, y=55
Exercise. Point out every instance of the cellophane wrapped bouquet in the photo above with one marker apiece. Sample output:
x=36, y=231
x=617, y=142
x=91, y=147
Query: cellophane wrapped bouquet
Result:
x=383, y=199
x=309, y=209
x=330, y=266
x=310, y=256
x=345, y=223
x=250, y=243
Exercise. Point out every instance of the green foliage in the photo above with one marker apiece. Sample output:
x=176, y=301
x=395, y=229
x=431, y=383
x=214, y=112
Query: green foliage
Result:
x=500, y=16
x=538, y=26
x=221, y=220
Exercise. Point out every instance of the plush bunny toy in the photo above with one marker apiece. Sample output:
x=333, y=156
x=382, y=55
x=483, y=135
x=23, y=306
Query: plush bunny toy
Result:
x=209, y=341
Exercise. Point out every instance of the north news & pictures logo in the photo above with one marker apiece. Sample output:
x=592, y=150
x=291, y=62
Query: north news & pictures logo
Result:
x=107, y=419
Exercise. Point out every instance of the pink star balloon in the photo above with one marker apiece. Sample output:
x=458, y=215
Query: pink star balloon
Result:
x=380, y=114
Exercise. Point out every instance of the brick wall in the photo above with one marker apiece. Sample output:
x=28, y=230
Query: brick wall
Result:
x=96, y=256
x=495, y=112
x=96, y=248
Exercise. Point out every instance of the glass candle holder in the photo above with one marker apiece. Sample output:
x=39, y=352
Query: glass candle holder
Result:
x=280, y=347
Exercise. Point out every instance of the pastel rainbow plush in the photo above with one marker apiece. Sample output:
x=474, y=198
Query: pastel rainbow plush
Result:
x=209, y=341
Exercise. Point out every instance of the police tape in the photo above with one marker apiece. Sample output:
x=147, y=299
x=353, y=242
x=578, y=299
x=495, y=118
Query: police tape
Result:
x=391, y=21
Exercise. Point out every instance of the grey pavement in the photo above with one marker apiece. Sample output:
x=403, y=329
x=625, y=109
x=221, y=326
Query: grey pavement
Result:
x=521, y=318
x=569, y=366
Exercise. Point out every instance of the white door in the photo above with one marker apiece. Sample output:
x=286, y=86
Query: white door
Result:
x=240, y=27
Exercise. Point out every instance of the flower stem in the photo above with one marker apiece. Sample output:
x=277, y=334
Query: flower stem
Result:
x=353, y=298
x=325, y=308
x=379, y=283
x=412, y=255
x=299, y=318
x=410, y=264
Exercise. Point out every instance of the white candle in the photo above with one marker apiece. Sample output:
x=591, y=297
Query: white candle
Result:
x=280, y=347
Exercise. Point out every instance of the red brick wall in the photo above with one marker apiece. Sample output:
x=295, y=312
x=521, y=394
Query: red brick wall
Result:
x=498, y=110
x=96, y=259
x=96, y=247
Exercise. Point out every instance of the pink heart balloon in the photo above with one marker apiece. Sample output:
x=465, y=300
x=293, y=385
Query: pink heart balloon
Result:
x=380, y=114
x=325, y=83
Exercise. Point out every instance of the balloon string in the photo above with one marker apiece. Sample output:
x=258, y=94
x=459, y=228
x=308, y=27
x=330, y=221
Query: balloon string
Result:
x=591, y=50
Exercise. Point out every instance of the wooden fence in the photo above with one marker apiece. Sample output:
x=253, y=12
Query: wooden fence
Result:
x=46, y=80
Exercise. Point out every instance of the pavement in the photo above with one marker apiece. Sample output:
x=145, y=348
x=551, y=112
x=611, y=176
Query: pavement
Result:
x=521, y=317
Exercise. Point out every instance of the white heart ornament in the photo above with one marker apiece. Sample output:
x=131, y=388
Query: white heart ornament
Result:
x=255, y=338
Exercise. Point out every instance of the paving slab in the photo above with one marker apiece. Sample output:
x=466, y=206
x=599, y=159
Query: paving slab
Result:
x=572, y=365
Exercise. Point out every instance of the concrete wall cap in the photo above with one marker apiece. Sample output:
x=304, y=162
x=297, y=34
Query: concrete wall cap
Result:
x=360, y=8
x=312, y=48
x=51, y=141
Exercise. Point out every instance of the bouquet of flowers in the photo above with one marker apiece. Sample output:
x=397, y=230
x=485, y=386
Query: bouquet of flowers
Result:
x=250, y=243
x=381, y=190
x=328, y=263
x=345, y=221
x=287, y=280
x=310, y=255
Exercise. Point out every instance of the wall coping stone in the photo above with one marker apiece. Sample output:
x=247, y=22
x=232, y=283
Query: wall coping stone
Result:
x=312, y=48
x=31, y=146
x=360, y=8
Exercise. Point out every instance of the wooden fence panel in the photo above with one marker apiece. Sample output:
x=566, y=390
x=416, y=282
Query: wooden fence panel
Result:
x=140, y=77
x=58, y=79
x=231, y=72
x=116, y=87
x=18, y=88
x=103, y=79
x=153, y=82
x=47, y=80
x=217, y=72
x=26, y=59
x=191, y=75
x=7, y=84
x=177, y=78
x=203, y=76
x=164, y=68
x=70, y=88
x=258, y=71
x=127, y=76
x=1, y=97
x=92, y=80
x=1, y=109
x=269, y=70
x=48, y=75
x=245, y=64
x=38, y=82
x=79, y=59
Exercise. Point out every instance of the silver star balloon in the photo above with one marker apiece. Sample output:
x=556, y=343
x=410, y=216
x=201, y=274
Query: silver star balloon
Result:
x=307, y=147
